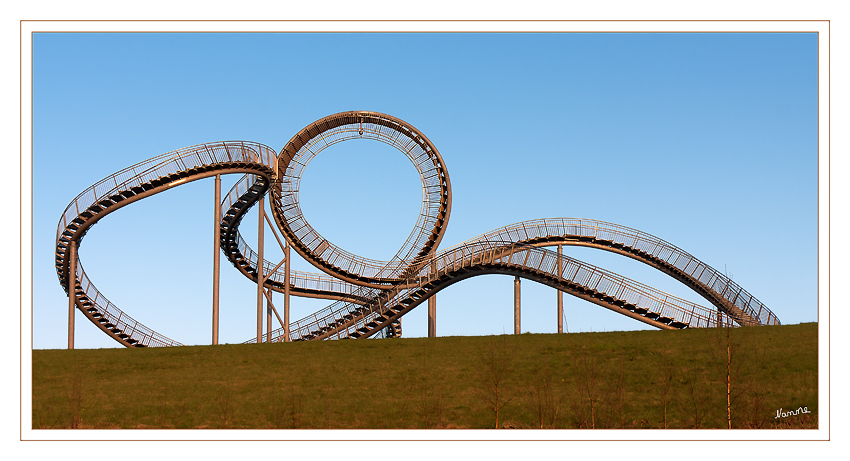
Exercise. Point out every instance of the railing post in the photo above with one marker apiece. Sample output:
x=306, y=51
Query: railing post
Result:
x=72, y=296
x=260, y=282
x=216, y=257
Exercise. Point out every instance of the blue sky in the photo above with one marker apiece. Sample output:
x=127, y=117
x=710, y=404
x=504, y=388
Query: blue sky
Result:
x=708, y=141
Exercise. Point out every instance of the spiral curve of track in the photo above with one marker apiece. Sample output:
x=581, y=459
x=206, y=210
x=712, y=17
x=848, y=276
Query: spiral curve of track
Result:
x=371, y=296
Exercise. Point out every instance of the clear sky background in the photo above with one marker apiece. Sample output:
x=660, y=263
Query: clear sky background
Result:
x=708, y=141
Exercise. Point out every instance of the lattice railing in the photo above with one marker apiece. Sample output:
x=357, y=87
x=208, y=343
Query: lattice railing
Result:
x=478, y=256
x=710, y=278
x=128, y=325
x=183, y=161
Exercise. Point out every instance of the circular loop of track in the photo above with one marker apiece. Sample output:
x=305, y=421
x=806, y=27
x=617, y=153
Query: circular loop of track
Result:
x=433, y=216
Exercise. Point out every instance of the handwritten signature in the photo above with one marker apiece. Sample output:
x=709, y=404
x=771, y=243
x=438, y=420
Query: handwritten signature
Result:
x=785, y=414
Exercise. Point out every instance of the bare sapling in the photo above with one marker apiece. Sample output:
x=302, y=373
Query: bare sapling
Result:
x=667, y=370
x=224, y=406
x=546, y=404
x=493, y=375
x=696, y=398
x=75, y=400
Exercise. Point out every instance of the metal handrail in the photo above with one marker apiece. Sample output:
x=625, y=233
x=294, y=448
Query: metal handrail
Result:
x=182, y=161
x=660, y=249
x=362, y=125
x=485, y=253
x=160, y=166
x=115, y=316
x=708, y=277
x=371, y=290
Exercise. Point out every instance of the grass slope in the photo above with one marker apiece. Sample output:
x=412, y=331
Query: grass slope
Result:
x=579, y=380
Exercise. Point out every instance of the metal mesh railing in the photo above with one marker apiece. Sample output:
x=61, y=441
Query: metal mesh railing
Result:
x=661, y=250
x=133, y=180
x=385, y=289
x=298, y=280
x=344, y=318
x=363, y=125
x=164, y=165
x=115, y=316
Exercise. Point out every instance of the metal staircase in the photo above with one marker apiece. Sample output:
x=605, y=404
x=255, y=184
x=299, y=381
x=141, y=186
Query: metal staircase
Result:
x=370, y=297
x=135, y=183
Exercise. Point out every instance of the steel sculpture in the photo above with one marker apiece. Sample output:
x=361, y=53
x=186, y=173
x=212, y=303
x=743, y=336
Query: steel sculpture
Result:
x=371, y=296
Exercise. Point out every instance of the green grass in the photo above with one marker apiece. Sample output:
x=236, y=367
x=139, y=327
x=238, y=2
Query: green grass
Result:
x=548, y=381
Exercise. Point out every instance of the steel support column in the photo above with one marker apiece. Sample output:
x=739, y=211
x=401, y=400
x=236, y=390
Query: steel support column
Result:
x=269, y=317
x=72, y=297
x=216, y=257
x=432, y=308
x=560, y=293
x=286, y=336
x=260, y=280
x=516, y=305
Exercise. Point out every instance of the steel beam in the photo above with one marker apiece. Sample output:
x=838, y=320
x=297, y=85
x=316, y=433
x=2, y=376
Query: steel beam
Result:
x=516, y=305
x=72, y=297
x=260, y=280
x=560, y=293
x=432, y=308
x=286, y=286
x=269, y=316
x=216, y=257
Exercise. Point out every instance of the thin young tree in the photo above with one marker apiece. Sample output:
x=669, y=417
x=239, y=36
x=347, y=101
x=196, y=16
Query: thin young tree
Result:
x=667, y=369
x=727, y=324
x=496, y=369
x=546, y=403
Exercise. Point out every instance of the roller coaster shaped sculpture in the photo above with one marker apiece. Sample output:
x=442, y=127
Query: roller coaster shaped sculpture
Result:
x=372, y=296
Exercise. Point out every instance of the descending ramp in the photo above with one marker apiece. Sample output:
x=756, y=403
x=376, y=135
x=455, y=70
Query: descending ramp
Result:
x=135, y=183
x=353, y=319
x=714, y=286
x=372, y=296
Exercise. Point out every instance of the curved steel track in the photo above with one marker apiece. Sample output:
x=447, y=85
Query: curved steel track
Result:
x=372, y=296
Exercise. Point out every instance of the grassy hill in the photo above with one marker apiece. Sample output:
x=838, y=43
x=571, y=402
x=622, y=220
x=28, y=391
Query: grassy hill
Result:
x=578, y=380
